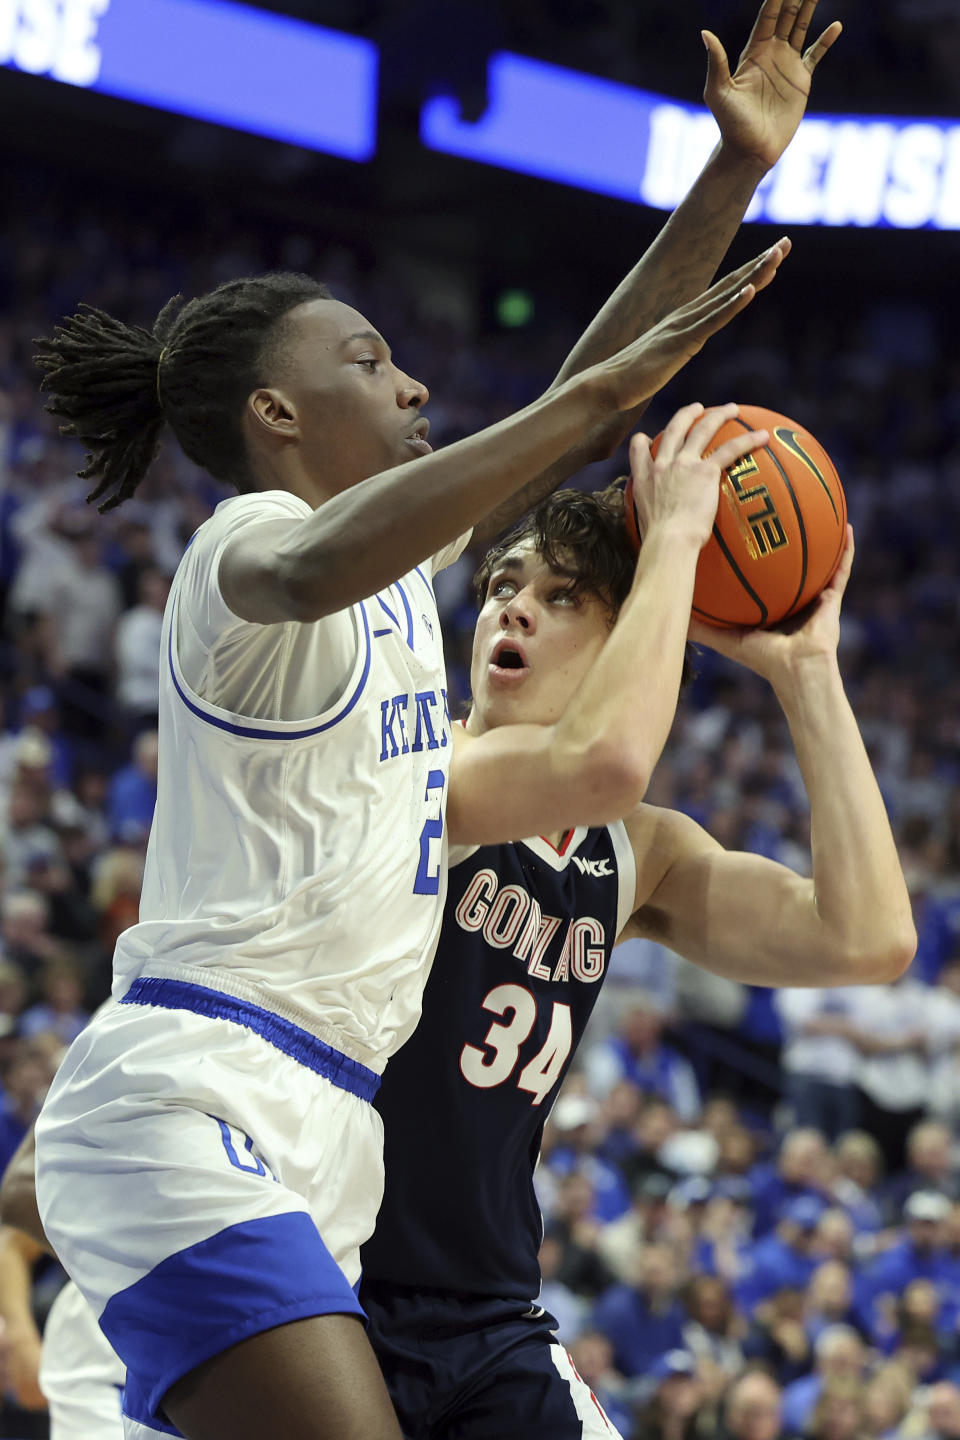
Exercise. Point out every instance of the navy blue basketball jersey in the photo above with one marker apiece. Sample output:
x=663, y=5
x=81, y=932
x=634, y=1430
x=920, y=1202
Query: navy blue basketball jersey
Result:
x=525, y=943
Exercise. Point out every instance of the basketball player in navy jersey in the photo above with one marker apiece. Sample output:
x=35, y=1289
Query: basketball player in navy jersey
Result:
x=451, y=1275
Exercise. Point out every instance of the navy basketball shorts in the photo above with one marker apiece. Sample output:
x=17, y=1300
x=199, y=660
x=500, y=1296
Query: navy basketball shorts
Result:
x=472, y=1368
x=206, y=1170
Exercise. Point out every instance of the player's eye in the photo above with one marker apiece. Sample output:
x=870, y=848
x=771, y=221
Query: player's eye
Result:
x=564, y=596
x=370, y=361
x=501, y=589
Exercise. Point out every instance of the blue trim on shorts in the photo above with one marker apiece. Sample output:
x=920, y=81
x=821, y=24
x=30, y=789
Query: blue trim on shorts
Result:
x=297, y=1043
x=199, y=1302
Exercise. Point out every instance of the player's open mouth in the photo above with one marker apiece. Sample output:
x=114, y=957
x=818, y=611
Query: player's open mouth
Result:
x=508, y=661
x=417, y=439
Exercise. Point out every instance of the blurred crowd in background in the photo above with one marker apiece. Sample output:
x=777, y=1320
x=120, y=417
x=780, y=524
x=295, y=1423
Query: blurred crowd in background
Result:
x=750, y=1198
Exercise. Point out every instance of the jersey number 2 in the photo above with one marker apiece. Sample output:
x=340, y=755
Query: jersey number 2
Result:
x=540, y=1074
x=428, y=870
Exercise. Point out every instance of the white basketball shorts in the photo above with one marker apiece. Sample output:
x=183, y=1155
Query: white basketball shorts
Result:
x=206, y=1170
x=80, y=1375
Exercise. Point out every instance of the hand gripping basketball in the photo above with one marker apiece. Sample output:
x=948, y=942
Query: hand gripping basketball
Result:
x=779, y=530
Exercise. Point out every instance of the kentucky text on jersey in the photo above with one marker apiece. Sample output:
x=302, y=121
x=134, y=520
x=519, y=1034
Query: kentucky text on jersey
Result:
x=424, y=712
x=511, y=919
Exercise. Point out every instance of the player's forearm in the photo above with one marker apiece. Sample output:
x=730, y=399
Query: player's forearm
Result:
x=18, y=1255
x=862, y=903
x=362, y=539
x=598, y=443
x=623, y=710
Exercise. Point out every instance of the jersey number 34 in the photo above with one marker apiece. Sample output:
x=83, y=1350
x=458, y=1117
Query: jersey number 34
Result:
x=496, y=1062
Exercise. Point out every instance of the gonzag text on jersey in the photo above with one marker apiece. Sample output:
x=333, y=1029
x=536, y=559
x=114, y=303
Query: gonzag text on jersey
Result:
x=509, y=918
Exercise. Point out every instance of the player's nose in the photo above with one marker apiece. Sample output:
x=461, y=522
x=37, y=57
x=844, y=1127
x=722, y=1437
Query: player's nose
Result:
x=519, y=611
x=411, y=392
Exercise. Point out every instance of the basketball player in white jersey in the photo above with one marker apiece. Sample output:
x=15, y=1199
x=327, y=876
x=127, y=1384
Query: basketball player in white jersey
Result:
x=208, y=1161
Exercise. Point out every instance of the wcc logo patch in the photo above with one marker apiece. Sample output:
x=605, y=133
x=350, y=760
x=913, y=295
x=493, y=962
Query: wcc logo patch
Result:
x=594, y=868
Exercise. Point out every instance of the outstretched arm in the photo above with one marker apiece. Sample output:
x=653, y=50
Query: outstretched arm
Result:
x=749, y=918
x=757, y=108
x=364, y=538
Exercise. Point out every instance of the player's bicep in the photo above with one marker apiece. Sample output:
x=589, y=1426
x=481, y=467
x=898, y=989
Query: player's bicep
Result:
x=739, y=915
x=255, y=572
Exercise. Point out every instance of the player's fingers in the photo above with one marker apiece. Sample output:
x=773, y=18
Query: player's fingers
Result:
x=639, y=451
x=703, y=430
x=802, y=24
x=768, y=265
x=759, y=272
x=718, y=67
x=765, y=25
x=841, y=575
x=820, y=47
x=698, y=331
x=787, y=19
x=676, y=431
x=737, y=446
x=714, y=637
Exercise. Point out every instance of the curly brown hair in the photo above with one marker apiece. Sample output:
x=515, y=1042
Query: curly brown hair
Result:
x=578, y=532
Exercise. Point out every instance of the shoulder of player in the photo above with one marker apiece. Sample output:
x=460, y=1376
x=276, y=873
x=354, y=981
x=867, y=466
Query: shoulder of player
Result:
x=660, y=838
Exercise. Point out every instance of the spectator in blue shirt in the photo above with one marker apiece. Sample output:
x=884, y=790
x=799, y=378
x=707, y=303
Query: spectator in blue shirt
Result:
x=839, y=1351
x=644, y=1320
x=133, y=793
x=856, y=1186
x=801, y=1169
x=930, y=1166
x=640, y=1054
x=922, y=1254
x=25, y=1084
x=785, y=1259
x=829, y=1300
x=61, y=1012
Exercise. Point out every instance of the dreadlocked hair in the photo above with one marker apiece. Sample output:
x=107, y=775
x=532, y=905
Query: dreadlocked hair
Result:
x=579, y=532
x=114, y=385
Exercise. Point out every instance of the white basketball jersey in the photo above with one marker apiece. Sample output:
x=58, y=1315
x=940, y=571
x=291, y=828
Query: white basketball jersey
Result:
x=297, y=855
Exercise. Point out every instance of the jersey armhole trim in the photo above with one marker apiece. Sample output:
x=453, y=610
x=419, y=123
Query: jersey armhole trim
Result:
x=270, y=729
x=626, y=873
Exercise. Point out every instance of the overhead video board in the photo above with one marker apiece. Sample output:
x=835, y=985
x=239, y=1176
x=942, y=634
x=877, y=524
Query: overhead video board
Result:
x=213, y=59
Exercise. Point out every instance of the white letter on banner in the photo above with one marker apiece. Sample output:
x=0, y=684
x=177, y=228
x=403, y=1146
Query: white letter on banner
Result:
x=680, y=141
x=796, y=193
x=35, y=42
x=78, y=56
x=856, y=178
x=8, y=22
x=914, y=175
x=659, y=184
x=948, y=206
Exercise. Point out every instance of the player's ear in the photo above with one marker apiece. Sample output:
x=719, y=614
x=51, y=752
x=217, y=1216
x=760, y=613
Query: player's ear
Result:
x=273, y=412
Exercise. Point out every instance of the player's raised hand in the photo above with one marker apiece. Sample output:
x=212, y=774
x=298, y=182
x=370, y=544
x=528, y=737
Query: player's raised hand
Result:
x=779, y=654
x=642, y=368
x=759, y=106
x=681, y=486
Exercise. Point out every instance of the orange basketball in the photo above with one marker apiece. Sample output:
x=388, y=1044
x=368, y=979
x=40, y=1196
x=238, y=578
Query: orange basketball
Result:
x=780, y=528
